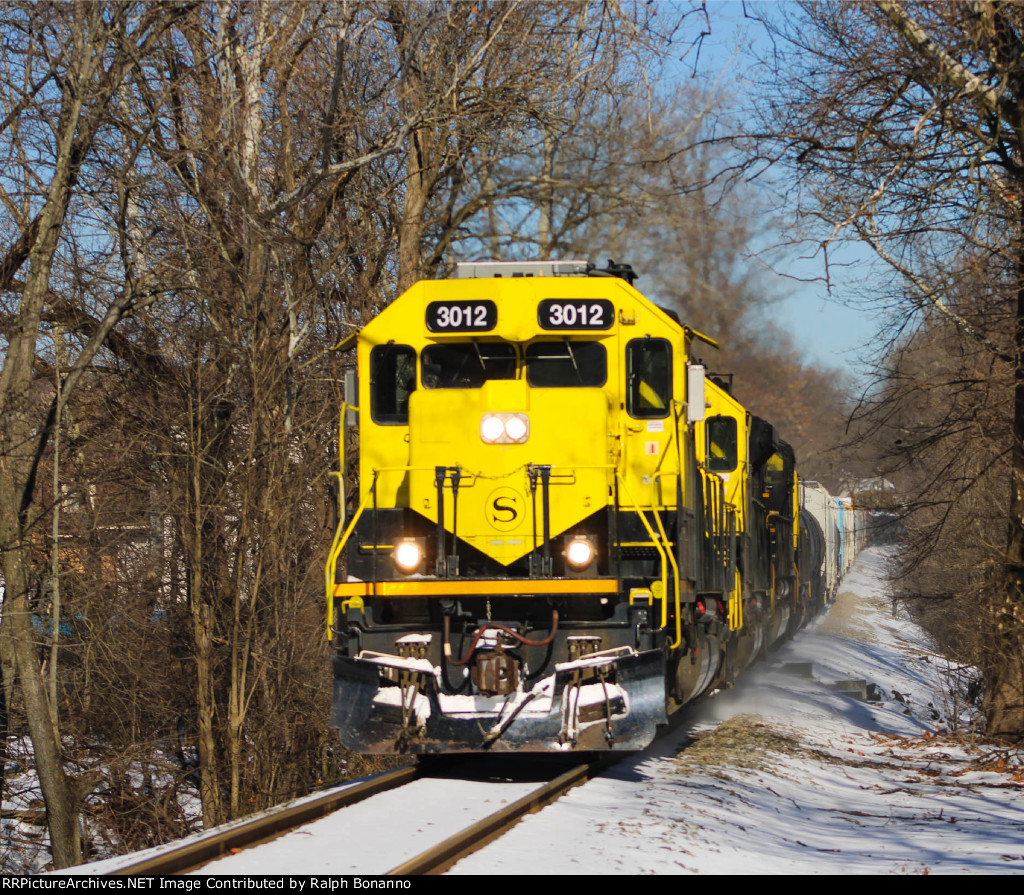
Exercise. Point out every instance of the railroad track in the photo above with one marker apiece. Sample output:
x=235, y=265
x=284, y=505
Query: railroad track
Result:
x=443, y=855
x=251, y=832
x=433, y=860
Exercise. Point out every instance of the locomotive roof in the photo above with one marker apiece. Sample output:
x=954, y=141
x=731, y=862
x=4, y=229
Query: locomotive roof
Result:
x=515, y=300
x=544, y=268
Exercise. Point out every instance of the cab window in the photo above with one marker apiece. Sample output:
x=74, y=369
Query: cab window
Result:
x=467, y=364
x=721, y=436
x=648, y=378
x=567, y=364
x=392, y=380
x=775, y=470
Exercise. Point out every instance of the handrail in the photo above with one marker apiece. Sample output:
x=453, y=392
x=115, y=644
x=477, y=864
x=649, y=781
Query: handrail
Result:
x=735, y=611
x=659, y=539
x=768, y=519
x=724, y=508
x=343, y=534
x=660, y=547
x=337, y=545
x=675, y=578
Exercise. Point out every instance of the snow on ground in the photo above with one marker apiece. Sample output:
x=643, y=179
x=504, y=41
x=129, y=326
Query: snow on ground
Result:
x=350, y=842
x=785, y=775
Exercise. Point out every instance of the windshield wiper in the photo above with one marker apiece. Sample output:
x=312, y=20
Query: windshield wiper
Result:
x=572, y=357
x=480, y=355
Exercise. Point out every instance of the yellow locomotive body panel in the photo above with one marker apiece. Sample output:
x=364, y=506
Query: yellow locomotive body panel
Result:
x=583, y=433
x=496, y=513
x=726, y=457
x=721, y=444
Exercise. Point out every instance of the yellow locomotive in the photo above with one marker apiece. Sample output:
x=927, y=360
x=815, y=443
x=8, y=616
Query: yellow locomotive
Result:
x=565, y=530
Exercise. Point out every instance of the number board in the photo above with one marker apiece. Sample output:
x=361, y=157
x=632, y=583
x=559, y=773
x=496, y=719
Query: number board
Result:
x=461, y=316
x=575, y=313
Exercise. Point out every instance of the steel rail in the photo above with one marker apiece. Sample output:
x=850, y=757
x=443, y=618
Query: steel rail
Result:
x=276, y=821
x=440, y=857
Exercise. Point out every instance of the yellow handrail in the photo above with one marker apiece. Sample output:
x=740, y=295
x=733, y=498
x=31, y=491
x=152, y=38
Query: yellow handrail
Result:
x=675, y=578
x=660, y=547
x=337, y=545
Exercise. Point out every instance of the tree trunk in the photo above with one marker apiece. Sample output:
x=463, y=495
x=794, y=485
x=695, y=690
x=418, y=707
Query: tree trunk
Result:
x=1005, y=690
x=1004, y=694
x=202, y=634
x=61, y=810
x=419, y=170
x=410, y=236
x=6, y=692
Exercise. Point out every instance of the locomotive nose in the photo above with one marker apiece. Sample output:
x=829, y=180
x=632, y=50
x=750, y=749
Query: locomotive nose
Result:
x=497, y=435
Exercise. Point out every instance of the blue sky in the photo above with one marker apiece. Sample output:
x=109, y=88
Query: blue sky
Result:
x=829, y=329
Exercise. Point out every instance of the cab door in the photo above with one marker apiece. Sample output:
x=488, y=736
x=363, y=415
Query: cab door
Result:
x=651, y=445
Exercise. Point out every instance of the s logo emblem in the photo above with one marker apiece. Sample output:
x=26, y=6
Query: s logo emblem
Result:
x=504, y=509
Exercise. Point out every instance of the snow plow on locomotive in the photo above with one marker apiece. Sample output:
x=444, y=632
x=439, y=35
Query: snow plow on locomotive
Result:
x=565, y=529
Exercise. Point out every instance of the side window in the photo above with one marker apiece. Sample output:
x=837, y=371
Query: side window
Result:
x=775, y=469
x=392, y=380
x=778, y=481
x=721, y=436
x=648, y=378
x=566, y=364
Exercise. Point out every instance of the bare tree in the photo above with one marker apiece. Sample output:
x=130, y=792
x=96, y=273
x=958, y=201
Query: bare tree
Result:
x=65, y=65
x=527, y=127
x=904, y=123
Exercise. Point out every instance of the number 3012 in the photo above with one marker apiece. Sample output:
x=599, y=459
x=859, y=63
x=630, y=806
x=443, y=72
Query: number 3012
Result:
x=555, y=313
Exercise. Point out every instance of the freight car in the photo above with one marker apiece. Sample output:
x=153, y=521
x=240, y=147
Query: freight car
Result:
x=565, y=529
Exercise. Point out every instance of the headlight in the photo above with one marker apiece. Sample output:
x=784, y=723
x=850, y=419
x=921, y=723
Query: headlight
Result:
x=491, y=429
x=408, y=556
x=516, y=428
x=580, y=553
x=504, y=428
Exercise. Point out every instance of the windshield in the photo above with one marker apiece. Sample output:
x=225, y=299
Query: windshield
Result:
x=566, y=364
x=467, y=364
x=563, y=364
